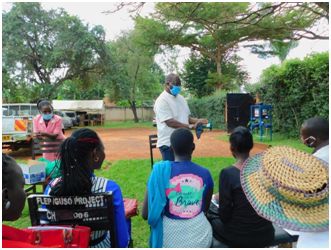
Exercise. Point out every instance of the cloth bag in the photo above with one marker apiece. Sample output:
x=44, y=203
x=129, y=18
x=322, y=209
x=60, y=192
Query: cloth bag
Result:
x=59, y=236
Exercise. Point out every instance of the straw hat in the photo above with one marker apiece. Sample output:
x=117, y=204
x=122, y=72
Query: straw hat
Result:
x=289, y=188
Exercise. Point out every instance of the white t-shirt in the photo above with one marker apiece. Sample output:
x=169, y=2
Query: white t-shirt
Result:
x=168, y=107
x=323, y=153
x=311, y=239
x=314, y=239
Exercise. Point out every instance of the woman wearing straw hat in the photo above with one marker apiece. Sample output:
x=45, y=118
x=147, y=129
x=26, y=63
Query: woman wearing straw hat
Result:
x=235, y=223
x=291, y=189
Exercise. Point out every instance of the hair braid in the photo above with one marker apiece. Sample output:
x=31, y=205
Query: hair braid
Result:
x=74, y=155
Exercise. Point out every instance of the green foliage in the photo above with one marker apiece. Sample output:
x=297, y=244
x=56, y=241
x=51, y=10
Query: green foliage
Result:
x=200, y=79
x=210, y=107
x=132, y=176
x=195, y=74
x=45, y=48
x=298, y=90
x=275, y=47
x=76, y=90
x=214, y=29
x=134, y=77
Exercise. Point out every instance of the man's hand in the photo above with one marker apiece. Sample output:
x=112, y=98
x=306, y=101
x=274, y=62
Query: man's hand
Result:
x=195, y=125
x=203, y=121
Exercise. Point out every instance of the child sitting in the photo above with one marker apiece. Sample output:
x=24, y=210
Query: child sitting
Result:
x=177, y=196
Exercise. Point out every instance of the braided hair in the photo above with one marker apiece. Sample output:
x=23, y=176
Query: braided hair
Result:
x=75, y=153
x=42, y=103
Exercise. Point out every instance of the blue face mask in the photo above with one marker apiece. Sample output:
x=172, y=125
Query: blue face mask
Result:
x=175, y=90
x=47, y=117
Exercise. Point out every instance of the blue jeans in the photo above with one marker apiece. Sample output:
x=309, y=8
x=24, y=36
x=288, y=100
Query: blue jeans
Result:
x=167, y=153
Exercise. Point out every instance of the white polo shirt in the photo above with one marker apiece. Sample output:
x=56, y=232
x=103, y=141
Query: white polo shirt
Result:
x=323, y=153
x=168, y=107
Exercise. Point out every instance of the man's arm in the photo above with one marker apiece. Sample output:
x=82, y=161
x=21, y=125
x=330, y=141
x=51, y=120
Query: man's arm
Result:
x=193, y=120
x=176, y=124
x=49, y=135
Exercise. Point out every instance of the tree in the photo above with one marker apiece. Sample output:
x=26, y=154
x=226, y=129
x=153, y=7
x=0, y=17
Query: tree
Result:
x=198, y=74
x=46, y=48
x=135, y=77
x=216, y=29
x=278, y=48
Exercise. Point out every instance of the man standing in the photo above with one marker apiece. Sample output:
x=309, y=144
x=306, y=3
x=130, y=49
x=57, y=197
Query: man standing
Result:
x=172, y=112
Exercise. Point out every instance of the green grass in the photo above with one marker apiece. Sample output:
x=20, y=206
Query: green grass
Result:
x=132, y=175
x=277, y=140
x=125, y=124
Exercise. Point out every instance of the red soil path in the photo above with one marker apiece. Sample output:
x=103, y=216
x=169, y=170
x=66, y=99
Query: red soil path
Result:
x=133, y=143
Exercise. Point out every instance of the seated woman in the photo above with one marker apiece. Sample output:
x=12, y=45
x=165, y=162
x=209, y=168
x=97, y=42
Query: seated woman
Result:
x=235, y=223
x=13, y=201
x=177, y=196
x=80, y=155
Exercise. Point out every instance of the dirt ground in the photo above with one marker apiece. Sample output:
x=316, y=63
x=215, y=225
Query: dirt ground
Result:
x=133, y=143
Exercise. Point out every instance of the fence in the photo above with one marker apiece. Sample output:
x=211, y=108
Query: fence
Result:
x=125, y=114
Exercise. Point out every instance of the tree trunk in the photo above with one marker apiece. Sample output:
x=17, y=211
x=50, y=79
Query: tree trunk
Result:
x=134, y=110
x=218, y=68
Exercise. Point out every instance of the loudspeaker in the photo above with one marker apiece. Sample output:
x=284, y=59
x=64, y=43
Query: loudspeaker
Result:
x=237, y=110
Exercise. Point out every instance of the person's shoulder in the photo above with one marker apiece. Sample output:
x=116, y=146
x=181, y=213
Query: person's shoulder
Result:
x=229, y=171
x=323, y=154
x=160, y=99
x=162, y=96
x=110, y=184
x=57, y=117
x=37, y=117
x=200, y=168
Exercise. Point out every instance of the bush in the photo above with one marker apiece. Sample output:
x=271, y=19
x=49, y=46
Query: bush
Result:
x=298, y=90
x=210, y=107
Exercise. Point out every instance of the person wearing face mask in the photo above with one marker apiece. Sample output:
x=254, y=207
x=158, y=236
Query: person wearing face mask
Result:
x=171, y=111
x=315, y=134
x=47, y=125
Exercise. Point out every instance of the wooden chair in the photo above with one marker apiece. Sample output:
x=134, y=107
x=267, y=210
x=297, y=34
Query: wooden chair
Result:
x=95, y=211
x=152, y=145
x=40, y=146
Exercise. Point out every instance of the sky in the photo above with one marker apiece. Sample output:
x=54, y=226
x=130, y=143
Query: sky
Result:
x=120, y=21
